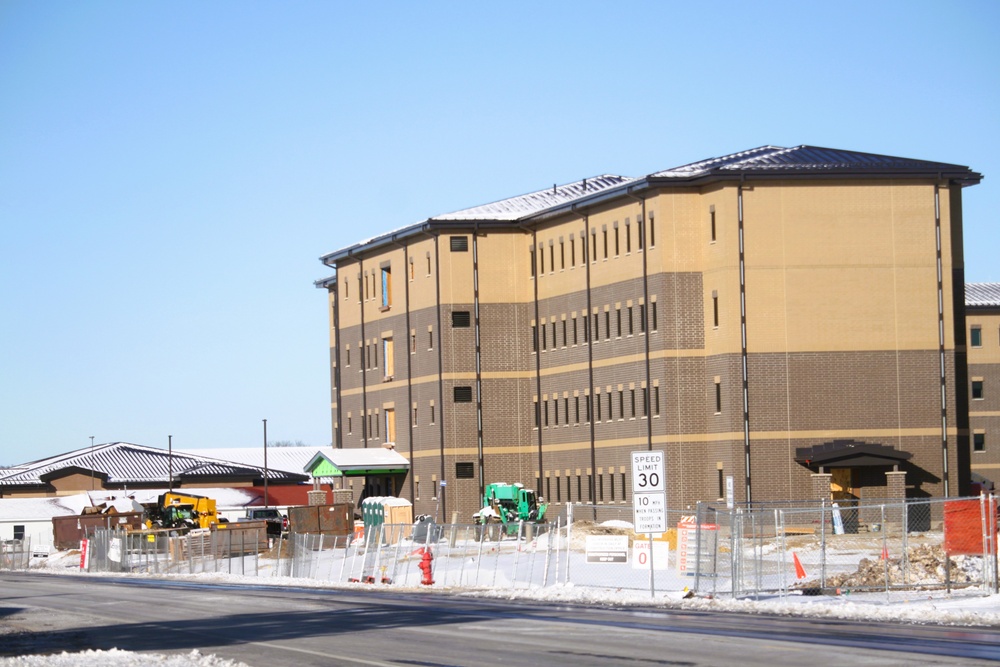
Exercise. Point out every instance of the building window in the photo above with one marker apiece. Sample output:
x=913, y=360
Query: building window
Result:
x=611, y=478
x=461, y=319
x=350, y=425
x=388, y=358
x=977, y=390
x=621, y=404
x=465, y=470
x=459, y=243
x=711, y=217
x=628, y=237
x=640, y=236
x=572, y=252
x=715, y=310
x=413, y=270
x=607, y=325
x=617, y=243
x=586, y=408
x=565, y=342
x=413, y=343
x=386, y=287
x=428, y=264
x=554, y=344
x=586, y=328
x=543, y=337
x=347, y=357
x=604, y=233
x=19, y=532
x=575, y=333
x=538, y=414
x=718, y=397
x=597, y=408
x=545, y=412
x=390, y=425
x=430, y=339
x=653, y=313
x=541, y=259
x=642, y=318
x=555, y=412
x=631, y=327
x=597, y=327
x=618, y=321
x=979, y=442
x=534, y=338
x=415, y=422
x=532, y=252
x=652, y=231
x=632, y=399
x=656, y=401
x=611, y=414
x=347, y=284
x=645, y=402
x=432, y=414
x=463, y=394
x=562, y=255
x=976, y=337
x=566, y=409
x=593, y=245
x=576, y=410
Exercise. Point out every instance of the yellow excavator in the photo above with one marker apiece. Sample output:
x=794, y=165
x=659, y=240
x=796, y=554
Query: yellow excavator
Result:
x=176, y=510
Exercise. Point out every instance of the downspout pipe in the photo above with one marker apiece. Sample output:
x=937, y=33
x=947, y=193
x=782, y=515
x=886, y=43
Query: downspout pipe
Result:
x=645, y=300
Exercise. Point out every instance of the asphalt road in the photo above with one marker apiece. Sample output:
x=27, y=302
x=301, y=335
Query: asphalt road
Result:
x=265, y=626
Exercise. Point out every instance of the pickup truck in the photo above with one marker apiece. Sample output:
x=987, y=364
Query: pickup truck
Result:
x=277, y=523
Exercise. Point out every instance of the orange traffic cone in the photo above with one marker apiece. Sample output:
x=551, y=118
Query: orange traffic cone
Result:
x=800, y=572
x=885, y=553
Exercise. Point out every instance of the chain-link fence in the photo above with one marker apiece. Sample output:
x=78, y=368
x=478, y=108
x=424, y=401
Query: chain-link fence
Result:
x=15, y=554
x=936, y=546
x=231, y=551
x=809, y=548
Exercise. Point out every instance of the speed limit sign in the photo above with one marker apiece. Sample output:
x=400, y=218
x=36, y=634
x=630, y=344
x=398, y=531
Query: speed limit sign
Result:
x=649, y=492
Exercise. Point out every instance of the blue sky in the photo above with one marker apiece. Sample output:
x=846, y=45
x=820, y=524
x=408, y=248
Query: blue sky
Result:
x=170, y=172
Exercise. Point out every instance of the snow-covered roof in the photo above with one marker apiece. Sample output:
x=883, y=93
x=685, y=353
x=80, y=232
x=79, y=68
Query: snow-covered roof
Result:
x=126, y=463
x=982, y=295
x=289, y=459
x=37, y=509
x=370, y=458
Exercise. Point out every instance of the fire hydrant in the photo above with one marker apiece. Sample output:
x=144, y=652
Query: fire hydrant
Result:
x=425, y=567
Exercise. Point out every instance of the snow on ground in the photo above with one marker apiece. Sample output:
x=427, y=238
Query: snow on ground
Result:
x=116, y=658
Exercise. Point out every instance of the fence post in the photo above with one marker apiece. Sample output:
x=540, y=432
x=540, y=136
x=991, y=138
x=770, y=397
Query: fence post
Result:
x=517, y=554
x=822, y=543
x=569, y=535
x=885, y=552
x=779, y=533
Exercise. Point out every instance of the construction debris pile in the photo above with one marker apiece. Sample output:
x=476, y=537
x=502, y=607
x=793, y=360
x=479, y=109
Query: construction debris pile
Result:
x=925, y=565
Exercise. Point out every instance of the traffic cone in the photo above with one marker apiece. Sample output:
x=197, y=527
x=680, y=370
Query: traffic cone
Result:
x=800, y=572
x=885, y=553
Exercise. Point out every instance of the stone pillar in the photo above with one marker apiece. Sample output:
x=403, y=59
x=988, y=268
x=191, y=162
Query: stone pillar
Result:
x=343, y=496
x=895, y=483
x=317, y=497
x=821, y=485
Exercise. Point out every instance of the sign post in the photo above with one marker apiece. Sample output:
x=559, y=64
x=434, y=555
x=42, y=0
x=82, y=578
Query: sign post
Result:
x=649, y=499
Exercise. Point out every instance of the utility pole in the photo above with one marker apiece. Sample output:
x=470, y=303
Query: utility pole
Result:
x=266, y=504
x=170, y=462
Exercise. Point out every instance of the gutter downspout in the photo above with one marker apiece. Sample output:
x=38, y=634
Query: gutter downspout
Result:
x=645, y=300
x=590, y=358
x=479, y=359
x=437, y=285
x=538, y=360
x=339, y=439
x=743, y=335
x=941, y=342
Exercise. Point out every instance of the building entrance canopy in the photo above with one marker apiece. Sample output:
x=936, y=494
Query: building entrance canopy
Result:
x=357, y=463
x=850, y=454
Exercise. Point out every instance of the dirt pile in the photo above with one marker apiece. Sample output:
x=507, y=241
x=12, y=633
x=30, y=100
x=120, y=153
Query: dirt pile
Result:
x=924, y=565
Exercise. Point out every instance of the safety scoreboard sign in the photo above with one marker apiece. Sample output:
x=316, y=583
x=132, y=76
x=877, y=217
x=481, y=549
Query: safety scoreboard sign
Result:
x=649, y=495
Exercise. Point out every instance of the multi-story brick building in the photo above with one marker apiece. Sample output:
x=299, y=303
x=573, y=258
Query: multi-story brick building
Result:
x=982, y=301
x=793, y=318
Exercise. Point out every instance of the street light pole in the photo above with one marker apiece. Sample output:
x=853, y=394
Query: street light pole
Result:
x=170, y=463
x=93, y=483
x=266, y=503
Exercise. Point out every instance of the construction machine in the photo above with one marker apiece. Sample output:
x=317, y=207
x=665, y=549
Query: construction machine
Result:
x=176, y=510
x=508, y=505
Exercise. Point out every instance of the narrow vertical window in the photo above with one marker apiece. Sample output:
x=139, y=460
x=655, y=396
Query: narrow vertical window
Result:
x=413, y=343
x=562, y=255
x=576, y=410
x=572, y=252
x=656, y=401
x=534, y=338
x=621, y=404
x=618, y=321
x=597, y=408
x=543, y=338
x=593, y=245
x=711, y=221
x=564, y=333
x=415, y=416
x=538, y=414
x=641, y=236
x=642, y=318
x=532, y=252
x=718, y=397
x=566, y=409
x=428, y=264
x=976, y=337
x=652, y=231
x=388, y=358
x=347, y=284
x=654, y=323
x=607, y=325
x=604, y=232
x=587, y=407
x=541, y=259
x=350, y=425
x=545, y=411
x=645, y=402
x=715, y=309
x=390, y=425
x=611, y=479
x=597, y=327
x=617, y=243
x=575, y=333
x=555, y=412
x=600, y=488
x=628, y=237
x=552, y=257
x=631, y=393
x=611, y=413
x=412, y=270
x=554, y=343
x=586, y=328
x=432, y=414
x=430, y=339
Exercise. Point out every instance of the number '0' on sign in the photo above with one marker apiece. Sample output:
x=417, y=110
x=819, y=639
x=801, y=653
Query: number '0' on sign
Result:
x=647, y=471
